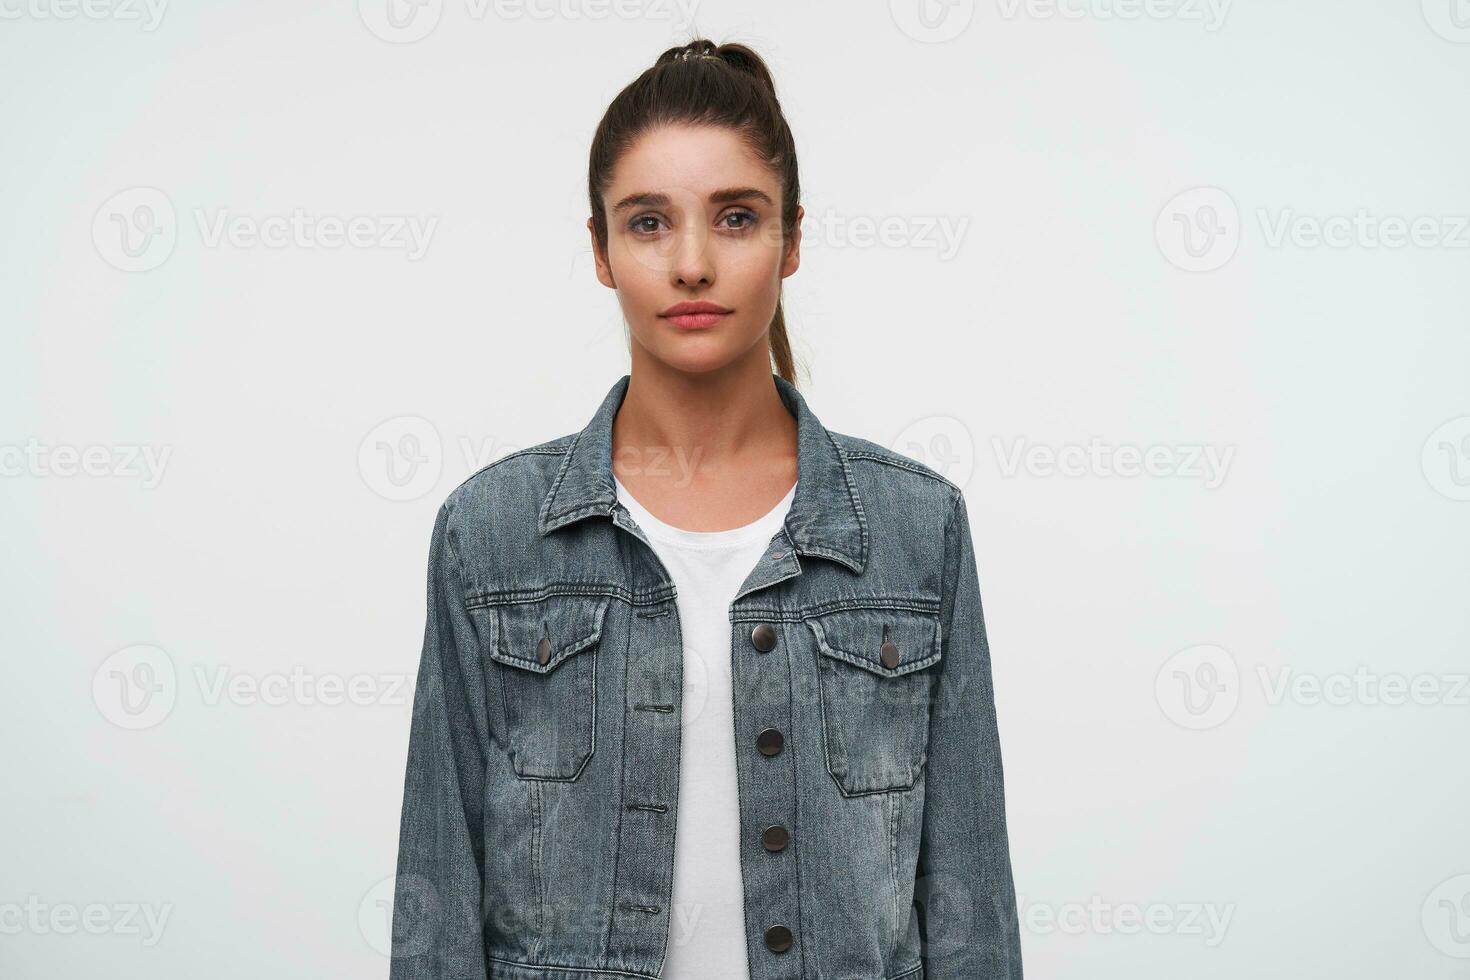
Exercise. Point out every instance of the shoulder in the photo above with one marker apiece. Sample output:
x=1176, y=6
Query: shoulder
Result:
x=906, y=505
x=872, y=464
x=510, y=485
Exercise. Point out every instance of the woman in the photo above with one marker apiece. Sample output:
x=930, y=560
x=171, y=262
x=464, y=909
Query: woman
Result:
x=705, y=691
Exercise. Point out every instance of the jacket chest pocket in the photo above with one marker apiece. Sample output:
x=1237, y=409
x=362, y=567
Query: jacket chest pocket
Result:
x=547, y=656
x=873, y=668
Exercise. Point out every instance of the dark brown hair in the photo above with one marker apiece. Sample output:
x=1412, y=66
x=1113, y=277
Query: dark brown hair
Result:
x=703, y=83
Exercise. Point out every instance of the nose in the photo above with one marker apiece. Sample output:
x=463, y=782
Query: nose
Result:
x=691, y=263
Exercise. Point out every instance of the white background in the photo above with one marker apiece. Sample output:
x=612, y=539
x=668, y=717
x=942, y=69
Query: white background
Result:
x=207, y=664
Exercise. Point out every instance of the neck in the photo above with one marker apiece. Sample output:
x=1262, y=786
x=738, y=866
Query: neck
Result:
x=723, y=420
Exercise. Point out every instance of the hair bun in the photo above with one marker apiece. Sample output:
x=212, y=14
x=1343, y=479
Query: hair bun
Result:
x=734, y=55
x=698, y=48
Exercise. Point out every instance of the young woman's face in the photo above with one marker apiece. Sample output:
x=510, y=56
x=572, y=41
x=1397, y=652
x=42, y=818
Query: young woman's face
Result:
x=693, y=217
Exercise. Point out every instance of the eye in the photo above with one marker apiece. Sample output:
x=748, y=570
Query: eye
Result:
x=748, y=218
x=644, y=224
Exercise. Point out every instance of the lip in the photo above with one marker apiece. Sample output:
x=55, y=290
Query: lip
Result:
x=695, y=315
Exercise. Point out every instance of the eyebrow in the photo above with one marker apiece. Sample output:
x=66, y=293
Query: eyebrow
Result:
x=728, y=195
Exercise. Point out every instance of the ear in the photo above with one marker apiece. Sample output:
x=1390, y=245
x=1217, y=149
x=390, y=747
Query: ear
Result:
x=604, y=268
x=791, y=261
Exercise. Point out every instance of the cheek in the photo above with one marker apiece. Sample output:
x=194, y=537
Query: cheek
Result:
x=752, y=267
x=635, y=276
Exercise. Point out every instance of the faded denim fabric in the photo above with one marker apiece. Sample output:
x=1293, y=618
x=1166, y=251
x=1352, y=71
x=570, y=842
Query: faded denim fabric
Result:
x=539, y=807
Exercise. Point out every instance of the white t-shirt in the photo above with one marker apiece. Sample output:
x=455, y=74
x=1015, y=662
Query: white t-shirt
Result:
x=707, y=920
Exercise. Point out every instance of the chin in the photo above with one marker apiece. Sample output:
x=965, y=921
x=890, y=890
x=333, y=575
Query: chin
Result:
x=695, y=356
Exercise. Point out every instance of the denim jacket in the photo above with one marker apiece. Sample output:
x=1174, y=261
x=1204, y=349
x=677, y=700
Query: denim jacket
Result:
x=539, y=806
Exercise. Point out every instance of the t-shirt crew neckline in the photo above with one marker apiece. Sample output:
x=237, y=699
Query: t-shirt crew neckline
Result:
x=734, y=537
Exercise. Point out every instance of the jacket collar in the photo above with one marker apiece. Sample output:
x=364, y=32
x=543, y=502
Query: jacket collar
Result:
x=826, y=515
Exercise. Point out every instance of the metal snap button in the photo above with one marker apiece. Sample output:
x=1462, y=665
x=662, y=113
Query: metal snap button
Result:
x=774, y=838
x=543, y=651
x=889, y=654
x=763, y=637
x=769, y=741
x=778, y=939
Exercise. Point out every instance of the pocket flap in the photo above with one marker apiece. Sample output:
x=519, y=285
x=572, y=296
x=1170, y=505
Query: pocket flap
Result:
x=568, y=624
x=858, y=636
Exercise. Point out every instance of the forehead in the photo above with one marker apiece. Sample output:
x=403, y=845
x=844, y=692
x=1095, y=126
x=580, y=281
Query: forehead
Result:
x=695, y=159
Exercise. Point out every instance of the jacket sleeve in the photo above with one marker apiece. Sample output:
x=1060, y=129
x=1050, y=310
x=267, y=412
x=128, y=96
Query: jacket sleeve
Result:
x=964, y=892
x=438, y=894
